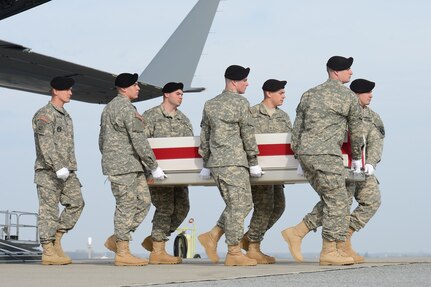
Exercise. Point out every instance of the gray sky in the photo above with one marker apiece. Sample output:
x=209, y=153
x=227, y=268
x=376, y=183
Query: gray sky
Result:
x=289, y=40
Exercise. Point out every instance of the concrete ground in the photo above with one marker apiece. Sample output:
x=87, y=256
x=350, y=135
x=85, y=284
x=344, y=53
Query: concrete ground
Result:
x=401, y=271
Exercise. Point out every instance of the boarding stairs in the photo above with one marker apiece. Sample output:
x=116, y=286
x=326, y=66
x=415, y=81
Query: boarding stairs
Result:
x=19, y=241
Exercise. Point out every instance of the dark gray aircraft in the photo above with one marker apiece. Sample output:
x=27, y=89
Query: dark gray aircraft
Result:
x=24, y=70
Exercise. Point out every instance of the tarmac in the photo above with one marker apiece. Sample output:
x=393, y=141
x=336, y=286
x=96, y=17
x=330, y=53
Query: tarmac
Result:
x=402, y=271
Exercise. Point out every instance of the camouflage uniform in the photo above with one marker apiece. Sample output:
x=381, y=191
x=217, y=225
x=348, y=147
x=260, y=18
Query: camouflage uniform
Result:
x=366, y=193
x=53, y=136
x=268, y=200
x=322, y=117
x=228, y=147
x=124, y=147
x=171, y=202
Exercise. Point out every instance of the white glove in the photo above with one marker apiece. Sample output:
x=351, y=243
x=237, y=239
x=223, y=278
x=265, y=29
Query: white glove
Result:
x=62, y=173
x=299, y=170
x=356, y=166
x=256, y=171
x=205, y=173
x=369, y=169
x=158, y=174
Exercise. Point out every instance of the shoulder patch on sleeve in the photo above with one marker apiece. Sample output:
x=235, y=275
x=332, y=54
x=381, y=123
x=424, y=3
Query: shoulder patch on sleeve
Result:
x=43, y=118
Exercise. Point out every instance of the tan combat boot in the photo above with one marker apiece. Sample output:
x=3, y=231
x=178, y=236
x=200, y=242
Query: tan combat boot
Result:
x=244, y=243
x=124, y=258
x=58, y=248
x=254, y=252
x=293, y=236
x=148, y=243
x=50, y=257
x=331, y=256
x=235, y=257
x=160, y=256
x=111, y=243
x=346, y=248
x=209, y=241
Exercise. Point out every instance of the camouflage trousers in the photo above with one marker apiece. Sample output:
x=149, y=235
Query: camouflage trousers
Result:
x=233, y=183
x=51, y=191
x=133, y=202
x=172, y=206
x=327, y=177
x=268, y=206
x=366, y=193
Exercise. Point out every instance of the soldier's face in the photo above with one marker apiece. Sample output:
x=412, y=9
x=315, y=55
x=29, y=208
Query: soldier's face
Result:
x=132, y=92
x=277, y=98
x=175, y=98
x=63, y=95
x=241, y=85
x=365, y=98
x=345, y=75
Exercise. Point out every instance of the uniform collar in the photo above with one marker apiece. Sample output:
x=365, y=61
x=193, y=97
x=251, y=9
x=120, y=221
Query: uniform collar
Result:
x=263, y=110
x=335, y=82
x=167, y=114
x=60, y=110
x=230, y=92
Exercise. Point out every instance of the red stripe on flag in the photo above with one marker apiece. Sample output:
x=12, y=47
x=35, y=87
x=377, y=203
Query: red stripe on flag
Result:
x=274, y=149
x=346, y=149
x=192, y=152
x=176, y=152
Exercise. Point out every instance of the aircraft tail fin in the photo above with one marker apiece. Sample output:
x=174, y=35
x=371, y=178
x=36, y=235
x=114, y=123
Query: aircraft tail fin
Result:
x=178, y=59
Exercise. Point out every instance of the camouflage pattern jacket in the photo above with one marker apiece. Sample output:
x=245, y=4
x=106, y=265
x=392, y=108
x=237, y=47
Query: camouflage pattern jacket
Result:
x=322, y=118
x=227, y=134
x=159, y=123
x=53, y=136
x=122, y=139
x=375, y=134
x=263, y=123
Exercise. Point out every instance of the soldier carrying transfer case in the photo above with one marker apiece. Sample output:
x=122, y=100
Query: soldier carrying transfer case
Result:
x=366, y=193
x=55, y=172
x=322, y=118
x=171, y=202
x=124, y=149
x=229, y=151
x=268, y=200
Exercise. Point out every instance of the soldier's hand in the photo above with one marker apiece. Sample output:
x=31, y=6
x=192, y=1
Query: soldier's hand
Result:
x=256, y=171
x=356, y=165
x=158, y=174
x=205, y=173
x=299, y=170
x=369, y=169
x=62, y=173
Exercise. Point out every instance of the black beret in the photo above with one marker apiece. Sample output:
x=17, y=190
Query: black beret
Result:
x=362, y=86
x=62, y=83
x=125, y=80
x=236, y=73
x=172, y=87
x=273, y=85
x=338, y=63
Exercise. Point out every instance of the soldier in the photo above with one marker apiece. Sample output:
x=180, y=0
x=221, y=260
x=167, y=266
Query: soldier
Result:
x=366, y=193
x=229, y=151
x=124, y=149
x=268, y=200
x=55, y=172
x=322, y=117
x=171, y=202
